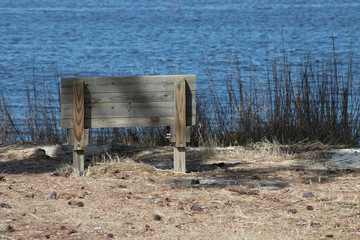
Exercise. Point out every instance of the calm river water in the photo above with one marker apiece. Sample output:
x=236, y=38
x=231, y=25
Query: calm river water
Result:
x=44, y=39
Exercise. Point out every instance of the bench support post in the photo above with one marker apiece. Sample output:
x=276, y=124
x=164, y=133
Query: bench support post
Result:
x=79, y=121
x=180, y=126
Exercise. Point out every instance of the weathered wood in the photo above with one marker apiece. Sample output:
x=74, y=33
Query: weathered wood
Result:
x=180, y=113
x=123, y=122
x=78, y=115
x=180, y=125
x=70, y=133
x=128, y=84
x=122, y=98
x=86, y=136
x=61, y=150
x=128, y=110
x=144, y=93
x=125, y=110
x=78, y=161
x=171, y=130
x=150, y=110
x=141, y=101
x=135, y=97
x=71, y=136
x=78, y=129
x=179, y=160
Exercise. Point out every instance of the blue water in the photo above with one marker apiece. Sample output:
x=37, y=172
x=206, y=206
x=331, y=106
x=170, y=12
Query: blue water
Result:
x=45, y=39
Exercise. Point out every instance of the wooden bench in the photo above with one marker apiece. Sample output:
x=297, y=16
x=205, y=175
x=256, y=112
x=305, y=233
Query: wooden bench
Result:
x=141, y=101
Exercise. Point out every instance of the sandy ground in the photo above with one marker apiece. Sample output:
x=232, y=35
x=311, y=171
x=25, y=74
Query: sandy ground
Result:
x=262, y=192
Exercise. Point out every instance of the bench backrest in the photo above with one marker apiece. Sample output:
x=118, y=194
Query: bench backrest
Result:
x=128, y=101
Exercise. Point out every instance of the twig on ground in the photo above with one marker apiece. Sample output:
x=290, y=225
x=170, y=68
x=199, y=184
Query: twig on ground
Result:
x=34, y=216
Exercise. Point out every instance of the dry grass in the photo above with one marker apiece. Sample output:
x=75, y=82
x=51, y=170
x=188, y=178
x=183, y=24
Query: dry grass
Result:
x=312, y=100
x=259, y=192
x=294, y=101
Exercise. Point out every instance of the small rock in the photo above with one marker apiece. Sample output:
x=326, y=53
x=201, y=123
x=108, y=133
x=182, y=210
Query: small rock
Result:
x=147, y=228
x=30, y=195
x=110, y=235
x=157, y=217
x=8, y=228
x=309, y=207
x=52, y=195
x=72, y=202
x=308, y=195
x=2, y=179
x=5, y=205
x=75, y=203
x=196, y=208
x=5, y=227
x=329, y=236
x=293, y=211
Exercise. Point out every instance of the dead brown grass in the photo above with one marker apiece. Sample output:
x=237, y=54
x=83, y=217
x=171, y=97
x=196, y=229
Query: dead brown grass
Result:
x=259, y=192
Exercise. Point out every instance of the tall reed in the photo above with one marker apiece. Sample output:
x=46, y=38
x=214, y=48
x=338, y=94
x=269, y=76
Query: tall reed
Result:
x=314, y=101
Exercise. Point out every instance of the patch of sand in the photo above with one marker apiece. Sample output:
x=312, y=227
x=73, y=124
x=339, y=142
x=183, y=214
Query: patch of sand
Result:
x=345, y=158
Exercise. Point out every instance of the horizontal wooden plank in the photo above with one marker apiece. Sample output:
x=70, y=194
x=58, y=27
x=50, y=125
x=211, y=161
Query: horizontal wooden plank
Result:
x=123, y=122
x=117, y=87
x=190, y=79
x=126, y=105
x=127, y=122
x=128, y=97
x=122, y=97
x=111, y=110
x=128, y=101
x=128, y=84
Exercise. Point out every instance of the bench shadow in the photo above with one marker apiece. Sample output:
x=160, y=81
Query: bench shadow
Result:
x=30, y=161
x=205, y=173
